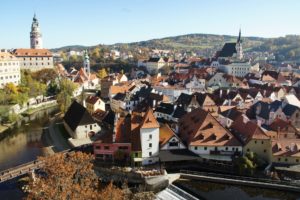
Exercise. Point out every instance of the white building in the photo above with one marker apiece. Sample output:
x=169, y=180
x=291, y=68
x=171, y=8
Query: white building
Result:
x=172, y=92
x=154, y=64
x=79, y=123
x=238, y=69
x=94, y=103
x=149, y=134
x=9, y=69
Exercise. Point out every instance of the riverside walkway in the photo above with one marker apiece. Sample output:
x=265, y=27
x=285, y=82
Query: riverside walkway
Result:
x=241, y=180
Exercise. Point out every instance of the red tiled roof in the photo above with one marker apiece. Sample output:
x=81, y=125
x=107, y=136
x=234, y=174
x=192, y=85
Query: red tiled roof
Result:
x=149, y=120
x=248, y=130
x=200, y=128
x=92, y=99
x=32, y=52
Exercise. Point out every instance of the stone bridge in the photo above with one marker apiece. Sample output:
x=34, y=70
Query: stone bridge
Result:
x=20, y=170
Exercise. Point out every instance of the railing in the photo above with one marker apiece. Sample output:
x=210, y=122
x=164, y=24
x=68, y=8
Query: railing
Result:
x=25, y=168
x=19, y=170
x=181, y=192
x=244, y=178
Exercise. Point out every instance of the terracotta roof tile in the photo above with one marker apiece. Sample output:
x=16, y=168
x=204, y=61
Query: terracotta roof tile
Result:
x=200, y=128
x=32, y=52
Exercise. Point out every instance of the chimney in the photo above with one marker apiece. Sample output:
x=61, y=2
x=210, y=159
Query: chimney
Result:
x=221, y=93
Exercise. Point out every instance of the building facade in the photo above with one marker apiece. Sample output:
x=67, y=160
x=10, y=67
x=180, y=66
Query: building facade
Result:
x=34, y=59
x=9, y=69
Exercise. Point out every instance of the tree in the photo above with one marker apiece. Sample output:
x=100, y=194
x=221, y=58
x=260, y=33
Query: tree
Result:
x=45, y=75
x=10, y=88
x=70, y=176
x=3, y=97
x=102, y=73
x=64, y=97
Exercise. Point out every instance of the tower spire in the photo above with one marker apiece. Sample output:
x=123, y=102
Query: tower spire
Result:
x=239, y=40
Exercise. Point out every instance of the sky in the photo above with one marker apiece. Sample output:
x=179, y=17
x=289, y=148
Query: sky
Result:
x=92, y=22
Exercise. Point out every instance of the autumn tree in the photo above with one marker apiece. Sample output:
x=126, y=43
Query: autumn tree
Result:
x=10, y=88
x=45, y=75
x=70, y=176
x=64, y=97
x=102, y=73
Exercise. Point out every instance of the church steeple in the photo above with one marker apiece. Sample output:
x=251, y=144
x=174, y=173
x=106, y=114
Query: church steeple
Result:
x=35, y=34
x=238, y=47
x=239, y=40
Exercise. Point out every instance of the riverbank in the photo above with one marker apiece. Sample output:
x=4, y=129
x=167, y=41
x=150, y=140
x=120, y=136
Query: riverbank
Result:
x=30, y=111
x=41, y=106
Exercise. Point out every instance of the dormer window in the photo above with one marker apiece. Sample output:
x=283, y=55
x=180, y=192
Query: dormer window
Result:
x=214, y=137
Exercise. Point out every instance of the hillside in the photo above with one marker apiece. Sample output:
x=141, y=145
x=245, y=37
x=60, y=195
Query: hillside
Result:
x=287, y=47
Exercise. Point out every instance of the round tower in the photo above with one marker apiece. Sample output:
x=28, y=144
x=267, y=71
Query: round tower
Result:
x=35, y=35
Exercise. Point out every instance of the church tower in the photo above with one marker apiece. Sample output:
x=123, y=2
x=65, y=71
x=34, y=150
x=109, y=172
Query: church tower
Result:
x=35, y=35
x=86, y=63
x=238, y=47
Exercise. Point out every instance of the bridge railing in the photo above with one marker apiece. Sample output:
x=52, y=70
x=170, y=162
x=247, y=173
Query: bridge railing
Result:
x=244, y=178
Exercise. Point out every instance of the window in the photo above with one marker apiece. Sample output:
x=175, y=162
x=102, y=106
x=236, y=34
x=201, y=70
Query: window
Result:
x=297, y=160
x=150, y=153
x=205, y=148
x=150, y=145
x=262, y=142
x=286, y=160
x=265, y=150
x=91, y=127
x=195, y=148
x=150, y=136
x=123, y=147
x=173, y=144
x=106, y=147
x=248, y=150
x=255, y=141
x=279, y=159
x=98, y=147
x=150, y=161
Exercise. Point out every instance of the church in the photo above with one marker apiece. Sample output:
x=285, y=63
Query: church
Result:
x=35, y=58
x=231, y=50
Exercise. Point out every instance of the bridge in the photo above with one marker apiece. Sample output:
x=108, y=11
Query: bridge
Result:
x=29, y=167
x=20, y=170
x=241, y=180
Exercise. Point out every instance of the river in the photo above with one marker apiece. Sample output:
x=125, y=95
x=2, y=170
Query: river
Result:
x=216, y=191
x=23, y=143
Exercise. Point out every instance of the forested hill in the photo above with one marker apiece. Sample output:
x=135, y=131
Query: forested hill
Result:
x=287, y=47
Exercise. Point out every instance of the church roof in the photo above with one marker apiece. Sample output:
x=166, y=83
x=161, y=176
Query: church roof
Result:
x=228, y=50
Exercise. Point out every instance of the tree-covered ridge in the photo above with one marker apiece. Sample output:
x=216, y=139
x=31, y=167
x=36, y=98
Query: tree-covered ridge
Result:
x=285, y=48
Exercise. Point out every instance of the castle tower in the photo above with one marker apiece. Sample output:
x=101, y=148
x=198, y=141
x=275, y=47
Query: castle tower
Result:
x=36, y=41
x=238, y=47
x=86, y=63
